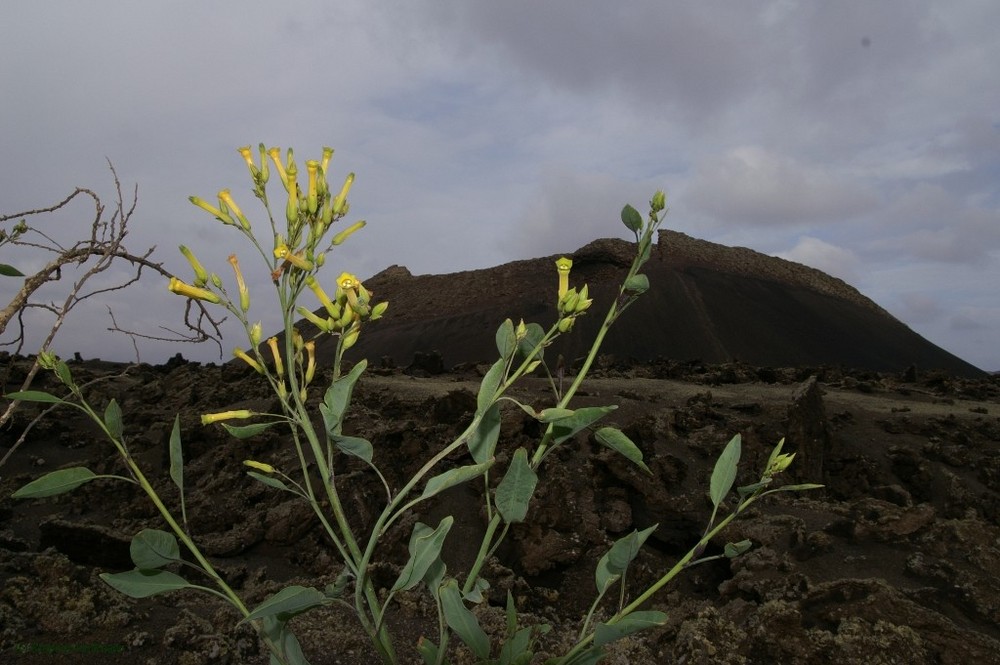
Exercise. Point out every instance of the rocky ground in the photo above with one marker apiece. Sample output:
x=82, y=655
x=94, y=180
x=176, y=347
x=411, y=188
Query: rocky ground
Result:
x=895, y=561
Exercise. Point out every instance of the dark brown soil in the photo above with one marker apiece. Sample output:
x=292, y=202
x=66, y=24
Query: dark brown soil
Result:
x=895, y=561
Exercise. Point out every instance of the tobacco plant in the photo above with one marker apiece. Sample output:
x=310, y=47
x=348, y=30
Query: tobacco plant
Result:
x=293, y=245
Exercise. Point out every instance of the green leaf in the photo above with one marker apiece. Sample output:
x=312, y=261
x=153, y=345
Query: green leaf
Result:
x=353, y=445
x=151, y=549
x=270, y=481
x=33, y=396
x=461, y=620
x=287, y=603
x=506, y=339
x=631, y=218
x=614, y=564
x=733, y=550
x=246, y=431
x=10, y=271
x=637, y=283
x=425, y=549
x=591, y=656
x=630, y=623
x=533, y=337
x=177, y=461
x=491, y=383
x=516, y=649
x=514, y=492
x=724, y=473
x=795, y=488
x=567, y=427
x=483, y=440
x=56, y=482
x=553, y=414
x=62, y=371
x=617, y=441
x=338, y=398
x=145, y=583
x=113, y=419
x=428, y=651
x=456, y=476
x=476, y=595
x=277, y=631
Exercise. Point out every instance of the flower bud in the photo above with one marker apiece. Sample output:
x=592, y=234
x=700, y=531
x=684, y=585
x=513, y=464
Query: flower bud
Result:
x=226, y=198
x=242, y=355
x=256, y=330
x=340, y=201
x=279, y=367
x=200, y=274
x=208, y=207
x=244, y=293
x=324, y=325
x=239, y=414
x=310, y=361
x=265, y=171
x=658, y=202
x=565, y=325
x=343, y=235
x=378, y=310
x=260, y=466
x=312, y=196
x=275, y=154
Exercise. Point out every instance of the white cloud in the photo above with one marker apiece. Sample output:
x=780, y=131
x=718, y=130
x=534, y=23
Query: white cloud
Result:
x=833, y=260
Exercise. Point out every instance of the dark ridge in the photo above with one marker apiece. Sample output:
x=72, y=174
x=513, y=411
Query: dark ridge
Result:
x=706, y=302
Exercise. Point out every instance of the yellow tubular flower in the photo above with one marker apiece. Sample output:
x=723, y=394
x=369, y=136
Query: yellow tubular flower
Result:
x=292, y=208
x=239, y=414
x=211, y=209
x=563, y=265
x=260, y=466
x=347, y=285
x=312, y=198
x=327, y=155
x=244, y=293
x=325, y=325
x=322, y=297
x=226, y=197
x=279, y=367
x=200, y=274
x=241, y=354
x=311, y=361
x=343, y=235
x=195, y=293
x=340, y=202
x=248, y=158
x=275, y=154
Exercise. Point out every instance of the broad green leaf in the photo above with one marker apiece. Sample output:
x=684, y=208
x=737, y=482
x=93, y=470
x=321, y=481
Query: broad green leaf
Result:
x=455, y=476
x=338, y=397
x=277, y=631
x=353, y=445
x=534, y=336
x=113, y=419
x=631, y=218
x=483, y=440
x=10, y=271
x=270, y=481
x=582, y=418
x=637, y=283
x=56, y=482
x=733, y=550
x=491, y=383
x=145, y=583
x=33, y=396
x=616, y=440
x=628, y=624
x=287, y=603
x=724, y=473
x=514, y=492
x=613, y=564
x=461, y=620
x=425, y=548
x=506, y=339
x=151, y=549
x=476, y=595
x=246, y=431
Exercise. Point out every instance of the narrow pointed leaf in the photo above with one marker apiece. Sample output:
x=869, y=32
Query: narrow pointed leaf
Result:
x=270, y=481
x=453, y=477
x=56, y=482
x=33, y=396
x=513, y=494
x=616, y=440
x=287, y=603
x=630, y=623
x=582, y=418
x=425, y=548
x=177, y=456
x=145, y=583
x=461, y=620
x=613, y=564
x=724, y=473
x=491, y=382
x=246, y=431
x=152, y=548
x=10, y=271
x=338, y=397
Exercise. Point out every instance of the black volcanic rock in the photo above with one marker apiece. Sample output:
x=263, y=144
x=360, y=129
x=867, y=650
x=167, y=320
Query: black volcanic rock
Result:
x=706, y=302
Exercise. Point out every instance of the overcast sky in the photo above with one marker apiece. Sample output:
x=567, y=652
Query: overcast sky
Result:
x=860, y=138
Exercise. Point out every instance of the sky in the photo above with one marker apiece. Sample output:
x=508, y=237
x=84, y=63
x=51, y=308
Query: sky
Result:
x=859, y=138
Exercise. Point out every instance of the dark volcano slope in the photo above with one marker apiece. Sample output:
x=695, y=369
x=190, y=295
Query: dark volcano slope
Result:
x=706, y=302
